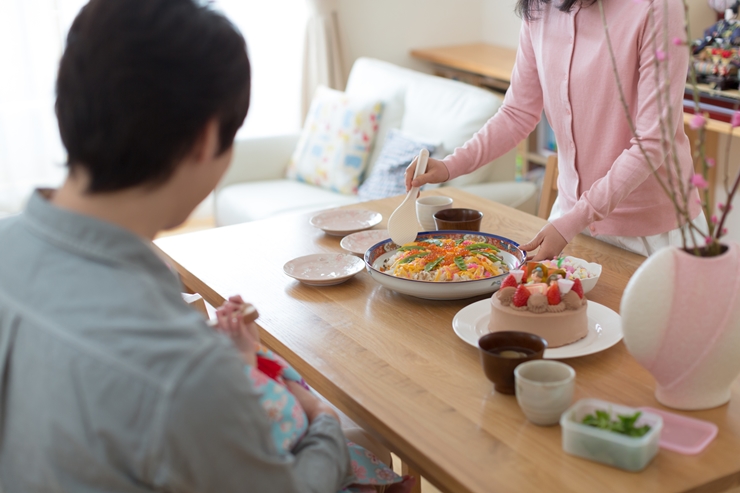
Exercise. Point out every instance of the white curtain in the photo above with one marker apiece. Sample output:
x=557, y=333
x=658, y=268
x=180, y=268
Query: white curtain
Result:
x=31, y=40
x=274, y=33
x=32, y=36
x=322, y=59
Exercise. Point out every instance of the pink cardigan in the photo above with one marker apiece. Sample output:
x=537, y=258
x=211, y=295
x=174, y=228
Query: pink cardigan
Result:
x=563, y=66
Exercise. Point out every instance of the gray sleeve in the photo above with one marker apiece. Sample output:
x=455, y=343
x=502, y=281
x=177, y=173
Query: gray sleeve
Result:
x=216, y=438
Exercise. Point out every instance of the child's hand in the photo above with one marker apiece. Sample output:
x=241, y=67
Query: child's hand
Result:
x=236, y=319
x=312, y=405
x=549, y=241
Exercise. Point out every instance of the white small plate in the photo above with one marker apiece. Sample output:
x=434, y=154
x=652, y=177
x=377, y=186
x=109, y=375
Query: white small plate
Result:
x=604, y=329
x=324, y=269
x=358, y=243
x=341, y=222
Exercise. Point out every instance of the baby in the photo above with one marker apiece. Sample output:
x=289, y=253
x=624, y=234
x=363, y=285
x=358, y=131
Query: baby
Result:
x=284, y=394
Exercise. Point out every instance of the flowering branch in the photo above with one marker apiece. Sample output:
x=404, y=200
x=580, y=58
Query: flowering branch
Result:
x=679, y=192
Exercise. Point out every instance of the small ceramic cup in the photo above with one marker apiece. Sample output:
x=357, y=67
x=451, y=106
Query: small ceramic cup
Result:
x=458, y=219
x=501, y=352
x=544, y=390
x=426, y=207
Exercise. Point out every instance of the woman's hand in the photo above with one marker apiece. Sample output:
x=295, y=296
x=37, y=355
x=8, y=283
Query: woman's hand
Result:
x=549, y=241
x=312, y=405
x=436, y=172
x=236, y=319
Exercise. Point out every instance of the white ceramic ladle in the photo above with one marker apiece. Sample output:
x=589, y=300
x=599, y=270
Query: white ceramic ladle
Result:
x=403, y=224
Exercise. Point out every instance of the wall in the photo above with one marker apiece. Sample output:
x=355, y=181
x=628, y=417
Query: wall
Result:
x=389, y=29
x=500, y=24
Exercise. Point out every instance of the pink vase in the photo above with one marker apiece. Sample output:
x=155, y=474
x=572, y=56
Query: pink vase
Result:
x=681, y=321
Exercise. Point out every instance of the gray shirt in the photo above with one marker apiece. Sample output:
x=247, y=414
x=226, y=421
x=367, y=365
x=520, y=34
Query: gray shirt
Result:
x=110, y=382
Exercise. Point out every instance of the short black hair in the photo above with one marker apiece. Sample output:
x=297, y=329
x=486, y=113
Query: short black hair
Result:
x=527, y=9
x=137, y=83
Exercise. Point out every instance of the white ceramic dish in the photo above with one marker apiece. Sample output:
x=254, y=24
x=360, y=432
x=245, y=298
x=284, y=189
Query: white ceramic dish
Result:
x=324, y=269
x=376, y=254
x=359, y=242
x=607, y=447
x=341, y=222
x=593, y=268
x=604, y=329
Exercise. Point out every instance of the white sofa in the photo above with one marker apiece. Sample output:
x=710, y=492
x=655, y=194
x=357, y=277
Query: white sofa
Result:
x=430, y=108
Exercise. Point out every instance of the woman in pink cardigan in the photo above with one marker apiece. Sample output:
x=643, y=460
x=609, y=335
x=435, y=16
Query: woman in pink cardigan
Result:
x=605, y=186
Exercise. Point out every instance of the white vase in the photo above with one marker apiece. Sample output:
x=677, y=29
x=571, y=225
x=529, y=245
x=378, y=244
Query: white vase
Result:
x=681, y=321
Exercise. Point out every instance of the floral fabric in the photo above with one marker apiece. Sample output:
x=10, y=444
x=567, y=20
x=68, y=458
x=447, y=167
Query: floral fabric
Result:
x=289, y=422
x=335, y=144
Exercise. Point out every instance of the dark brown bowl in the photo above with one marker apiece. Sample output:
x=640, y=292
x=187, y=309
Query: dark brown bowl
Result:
x=499, y=369
x=458, y=219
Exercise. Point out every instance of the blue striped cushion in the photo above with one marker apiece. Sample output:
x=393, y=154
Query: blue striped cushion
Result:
x=387, y=176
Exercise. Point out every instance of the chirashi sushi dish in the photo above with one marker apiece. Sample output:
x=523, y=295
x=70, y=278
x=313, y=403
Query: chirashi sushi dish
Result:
x=440, y=260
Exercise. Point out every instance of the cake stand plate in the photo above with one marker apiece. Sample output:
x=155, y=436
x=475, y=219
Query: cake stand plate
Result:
x=604, y=329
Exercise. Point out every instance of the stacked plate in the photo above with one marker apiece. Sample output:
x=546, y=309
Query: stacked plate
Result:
x=341, y=222
x=358, y=243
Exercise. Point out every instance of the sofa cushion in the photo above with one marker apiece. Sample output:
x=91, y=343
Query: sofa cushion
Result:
x=387, y=176
x=259, y=200
x=335, y=144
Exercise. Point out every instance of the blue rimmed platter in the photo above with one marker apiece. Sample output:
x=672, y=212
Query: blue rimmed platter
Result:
x=449, y=290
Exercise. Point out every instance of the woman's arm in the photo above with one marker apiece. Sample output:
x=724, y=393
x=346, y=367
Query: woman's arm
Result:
x=513, y=122
x=630, y=169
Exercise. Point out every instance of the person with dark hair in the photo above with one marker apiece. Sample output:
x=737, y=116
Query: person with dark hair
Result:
x=606, y=188
x=108, y=380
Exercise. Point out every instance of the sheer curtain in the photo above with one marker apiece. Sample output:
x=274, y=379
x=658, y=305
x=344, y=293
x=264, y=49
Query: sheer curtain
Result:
x=32, y=36
x=31, y=154
x=322, y=59
x=274, y=31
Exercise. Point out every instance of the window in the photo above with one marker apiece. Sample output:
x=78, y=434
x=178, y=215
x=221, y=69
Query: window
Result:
x=32, y=34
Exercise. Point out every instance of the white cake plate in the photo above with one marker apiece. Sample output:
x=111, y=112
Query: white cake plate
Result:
x=604, y=329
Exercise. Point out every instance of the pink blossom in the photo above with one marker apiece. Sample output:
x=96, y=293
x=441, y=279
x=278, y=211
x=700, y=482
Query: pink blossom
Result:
x=735, y=121
x=714, y=219
x=660, y=55
x=721, y=206
x=708, y=240
x=697, y=122
x=724, y=231
x=677, y=41
x=699, y=182
x=711, y=162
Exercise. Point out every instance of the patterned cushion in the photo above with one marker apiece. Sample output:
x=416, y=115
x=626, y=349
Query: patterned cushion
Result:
x=387, y=176
x=334, y=146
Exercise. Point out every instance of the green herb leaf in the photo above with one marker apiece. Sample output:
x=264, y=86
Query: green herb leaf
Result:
x=412, y=247
x=433, y=265
x=408, y=259
x=624, y=425
x=434, y=241
x=489, y=256
x=478, y=246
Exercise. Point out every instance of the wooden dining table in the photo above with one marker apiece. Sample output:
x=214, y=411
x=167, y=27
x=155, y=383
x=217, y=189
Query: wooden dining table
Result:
x=393, y=364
